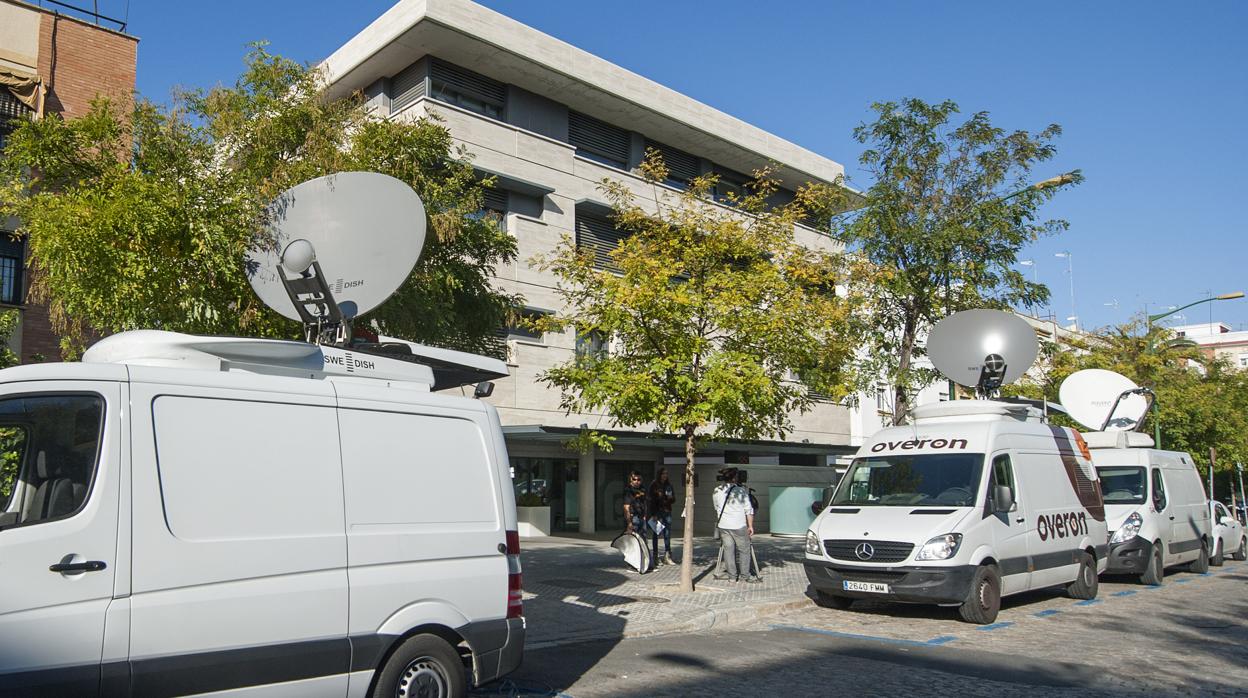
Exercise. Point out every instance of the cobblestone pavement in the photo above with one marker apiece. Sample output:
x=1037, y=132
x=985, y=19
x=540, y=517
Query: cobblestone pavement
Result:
x=594, y=629
x=576, y=590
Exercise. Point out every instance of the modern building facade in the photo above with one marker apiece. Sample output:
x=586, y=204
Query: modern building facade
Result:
x=51, y=62
x=550, y=122
x=1218, y=340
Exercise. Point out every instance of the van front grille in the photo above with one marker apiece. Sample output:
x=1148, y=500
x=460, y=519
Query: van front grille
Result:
x=881, y=550
x=872, y=576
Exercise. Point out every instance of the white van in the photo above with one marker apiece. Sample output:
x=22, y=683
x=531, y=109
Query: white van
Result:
x=976, y=500
x=1155, y=504
x=188, y=515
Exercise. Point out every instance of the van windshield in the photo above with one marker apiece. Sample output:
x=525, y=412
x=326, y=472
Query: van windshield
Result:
x=929, y=480
x=1122, y=484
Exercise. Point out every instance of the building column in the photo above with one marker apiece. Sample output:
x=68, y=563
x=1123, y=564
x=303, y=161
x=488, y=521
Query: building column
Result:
x=585, y=483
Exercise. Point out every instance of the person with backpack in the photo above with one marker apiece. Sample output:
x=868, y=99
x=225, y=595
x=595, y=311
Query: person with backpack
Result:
x=735, y=524
x=661, y=497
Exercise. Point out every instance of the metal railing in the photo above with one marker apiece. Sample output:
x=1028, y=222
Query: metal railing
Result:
x=91, y=14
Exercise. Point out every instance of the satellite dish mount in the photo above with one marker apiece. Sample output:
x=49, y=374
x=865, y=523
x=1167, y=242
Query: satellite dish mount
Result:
x=313, y=299
x=1148, y=395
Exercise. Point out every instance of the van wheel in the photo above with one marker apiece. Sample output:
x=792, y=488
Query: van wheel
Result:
x=1085, y=585
x=1242, y=553
x=424, y=666
x=840, y=603
x=1155, y=571
x=984, y=600
x=1201, y=564
x=1216, y=560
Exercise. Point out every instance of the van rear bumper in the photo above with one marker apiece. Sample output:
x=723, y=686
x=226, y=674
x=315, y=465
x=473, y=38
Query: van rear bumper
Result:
x=502, y=643
x=943, y=585
x=1129, y=557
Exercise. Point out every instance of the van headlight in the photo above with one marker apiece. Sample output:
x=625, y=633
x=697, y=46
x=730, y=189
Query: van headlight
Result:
x=1130, y=528
x=940, y=547
x=812, y=544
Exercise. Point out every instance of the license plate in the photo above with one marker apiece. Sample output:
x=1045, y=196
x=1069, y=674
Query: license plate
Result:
x=871, y=587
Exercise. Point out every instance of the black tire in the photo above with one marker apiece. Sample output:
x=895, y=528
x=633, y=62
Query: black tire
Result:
x=1085, y=585
x=983, y=601
x=1216, y=560
x=1156, y=571
x=1201, y=564
x=1241, y=553
x=840, y=603
x=425, y=666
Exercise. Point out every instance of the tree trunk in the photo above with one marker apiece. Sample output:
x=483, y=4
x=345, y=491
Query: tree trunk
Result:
x=686, y=551
x=901, y=398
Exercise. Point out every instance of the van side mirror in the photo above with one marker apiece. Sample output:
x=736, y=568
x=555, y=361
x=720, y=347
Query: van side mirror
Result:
x=1002, y=499
x=816, y=506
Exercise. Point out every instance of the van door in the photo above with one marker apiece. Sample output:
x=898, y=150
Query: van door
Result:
x=1009, y=529
x=1190, y=508
x=1166, y=516
x=59, y=475
x=239, y=541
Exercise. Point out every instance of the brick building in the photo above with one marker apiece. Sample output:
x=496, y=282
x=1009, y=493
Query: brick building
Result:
x=51, y=63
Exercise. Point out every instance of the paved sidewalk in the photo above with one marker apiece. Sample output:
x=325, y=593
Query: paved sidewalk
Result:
x=576, y=590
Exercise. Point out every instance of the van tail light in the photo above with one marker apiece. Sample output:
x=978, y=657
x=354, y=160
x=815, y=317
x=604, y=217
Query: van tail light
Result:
x=515, y=591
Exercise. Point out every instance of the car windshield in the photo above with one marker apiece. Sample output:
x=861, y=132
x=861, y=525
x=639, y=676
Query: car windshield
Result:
x=1122, y=484
x=931, y=480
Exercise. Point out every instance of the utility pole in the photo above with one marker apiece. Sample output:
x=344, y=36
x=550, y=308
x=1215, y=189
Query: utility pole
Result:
x=1243, y=503
x=1213, y=458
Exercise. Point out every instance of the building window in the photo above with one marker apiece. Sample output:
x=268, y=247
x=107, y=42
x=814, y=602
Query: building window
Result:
x=681, y=166
x=408, y=85
x=466, y=89
x=592, y=344
x=12, y=264
x=730, y=185
x=1243, y=360
x=518, y=329
x=10, y=111
x=598, y=233
x=881, y=398
x=598, y=140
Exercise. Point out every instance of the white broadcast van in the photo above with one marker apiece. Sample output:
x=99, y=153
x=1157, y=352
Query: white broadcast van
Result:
x=199, y=515
x=1155, y=504
x=976, y=500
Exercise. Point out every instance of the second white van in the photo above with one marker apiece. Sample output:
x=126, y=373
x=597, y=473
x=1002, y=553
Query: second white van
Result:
x=975, y=501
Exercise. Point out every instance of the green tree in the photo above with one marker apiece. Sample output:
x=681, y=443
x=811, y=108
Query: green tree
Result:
x=943, y=226
x=710, y=312
x=140, y=215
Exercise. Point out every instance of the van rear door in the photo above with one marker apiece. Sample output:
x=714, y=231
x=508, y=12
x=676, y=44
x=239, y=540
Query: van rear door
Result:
x=60, y=468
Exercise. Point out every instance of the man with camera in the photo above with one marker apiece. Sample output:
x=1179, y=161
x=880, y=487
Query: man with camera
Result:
x=735, y=524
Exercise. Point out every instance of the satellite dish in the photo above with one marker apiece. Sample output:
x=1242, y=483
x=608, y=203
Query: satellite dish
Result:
x=982, y=349
x=1103, y=400
x=336, y=247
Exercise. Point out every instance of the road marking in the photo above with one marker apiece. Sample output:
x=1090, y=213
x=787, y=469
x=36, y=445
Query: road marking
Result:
x=1182, y=581
x=1047, y=613
x=996, y=626
x=1128, y=592
x=872, y=638
x=1089, y=602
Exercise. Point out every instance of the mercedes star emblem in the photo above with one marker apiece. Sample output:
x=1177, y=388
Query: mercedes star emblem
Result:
x=864, y=551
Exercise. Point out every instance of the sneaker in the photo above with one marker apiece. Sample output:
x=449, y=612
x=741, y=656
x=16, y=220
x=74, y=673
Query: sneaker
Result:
x=667, y=559
x=754, y=580
x=721, y=577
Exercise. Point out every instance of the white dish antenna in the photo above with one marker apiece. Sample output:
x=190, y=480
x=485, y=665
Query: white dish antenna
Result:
x=982, y=349
x=336, y=247
x=1104, y=400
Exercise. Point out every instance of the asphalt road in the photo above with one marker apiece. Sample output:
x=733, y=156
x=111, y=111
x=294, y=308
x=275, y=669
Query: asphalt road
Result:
x=1187, y=637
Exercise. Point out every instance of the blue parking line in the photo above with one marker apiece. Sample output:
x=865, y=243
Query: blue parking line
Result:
x=1089, y=602
x=1206, y=574
x=1045, y=614
x=1182, y=581
x=996, y=626
x=936, y=641
x=1128, y=592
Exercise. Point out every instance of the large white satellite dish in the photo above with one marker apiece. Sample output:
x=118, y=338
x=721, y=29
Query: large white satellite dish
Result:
x=982, y=349
x=1103, y=400
x=336, y=247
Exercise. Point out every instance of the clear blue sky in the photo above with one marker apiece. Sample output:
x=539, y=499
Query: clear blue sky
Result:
x=1153, y=98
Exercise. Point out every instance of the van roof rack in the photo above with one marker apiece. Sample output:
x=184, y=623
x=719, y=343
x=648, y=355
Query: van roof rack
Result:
x=389, y=359
x=1117, y=439
x=987, y=409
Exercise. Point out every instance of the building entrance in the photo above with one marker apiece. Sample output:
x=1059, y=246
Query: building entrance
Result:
x=551, y=482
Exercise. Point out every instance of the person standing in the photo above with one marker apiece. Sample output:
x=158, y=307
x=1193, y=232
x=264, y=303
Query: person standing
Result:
x=736, y=525
x=661, y=497
x=635, y=505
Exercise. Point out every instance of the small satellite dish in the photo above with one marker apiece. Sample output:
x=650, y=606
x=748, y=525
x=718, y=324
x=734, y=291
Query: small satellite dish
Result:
x=1104, y=400
x=982, y=349
x=336, y=247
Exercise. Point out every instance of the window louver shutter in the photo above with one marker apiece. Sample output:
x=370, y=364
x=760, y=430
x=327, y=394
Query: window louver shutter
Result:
x=598, y=137
x=10, y=107
x=495, y=199
x=468, y=82
x=681, y=166
x=407, y=87
x=598, y=234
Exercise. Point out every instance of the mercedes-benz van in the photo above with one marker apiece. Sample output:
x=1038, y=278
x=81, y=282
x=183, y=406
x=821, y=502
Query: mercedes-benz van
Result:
x=974, y=501
x=186, y=515
x=1155, y=504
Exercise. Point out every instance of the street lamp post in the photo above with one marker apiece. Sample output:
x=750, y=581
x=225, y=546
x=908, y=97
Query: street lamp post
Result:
x=1070, y=271
x=1149, y=329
